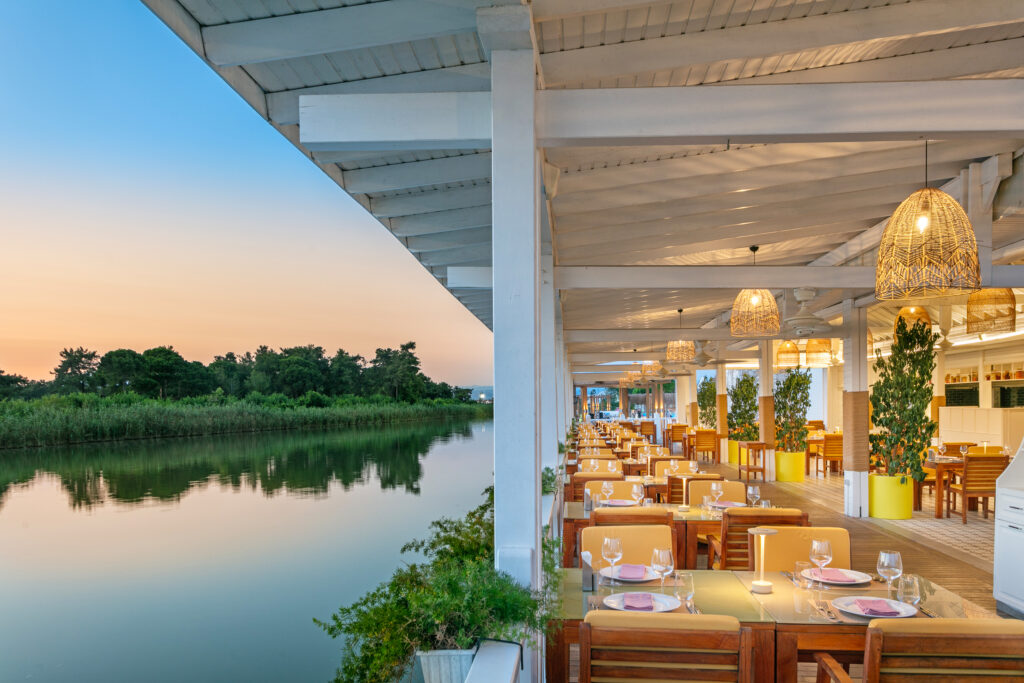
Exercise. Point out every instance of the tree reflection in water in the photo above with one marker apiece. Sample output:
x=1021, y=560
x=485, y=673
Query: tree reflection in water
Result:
x=296, y=463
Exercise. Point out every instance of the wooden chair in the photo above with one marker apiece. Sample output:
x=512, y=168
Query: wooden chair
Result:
x=580, y=479
x=831, y=451
x=791, y=544
x=730, y=548
x=649, y=430
x=676, y=435
x=628, y=646
x=621, y=489
x=978, y=481
x=754, y=462
x=657, y=465
x=816, y=425
x=936, y=650
x=706, y=441
x=696, y=489
x=631, y=516
x=638, y=542
x=677, y=486
x=985, y=450
x=601, y=464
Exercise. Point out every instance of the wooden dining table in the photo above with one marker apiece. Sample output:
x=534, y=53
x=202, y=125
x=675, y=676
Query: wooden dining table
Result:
x=943, y=466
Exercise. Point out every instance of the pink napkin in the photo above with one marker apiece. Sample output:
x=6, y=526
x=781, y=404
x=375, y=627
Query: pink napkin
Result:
x=618, y=503
x=638, y=601
x=876, y=608
x=632, y=571
x=727, y=504
x=837, y=575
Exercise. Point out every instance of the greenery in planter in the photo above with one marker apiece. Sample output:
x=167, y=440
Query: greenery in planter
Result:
x=900, y=400
x=792, y=400
x=548, y=481
x=450, y=601
x=706, y=403
x=743, y=408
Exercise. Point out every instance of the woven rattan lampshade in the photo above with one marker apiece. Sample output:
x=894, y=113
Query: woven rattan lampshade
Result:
x=788, y=355
x=928, y=249
x=818, y=353
x=680, y=351
x=754, y=314
x=912, y=314
x=992, y=310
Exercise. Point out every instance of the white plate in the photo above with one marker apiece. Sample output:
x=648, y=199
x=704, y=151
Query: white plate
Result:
x=848, y=604
x=649, y=575
x=859, y=577
x=619, y=503
x=726, y=505
x=662, y=603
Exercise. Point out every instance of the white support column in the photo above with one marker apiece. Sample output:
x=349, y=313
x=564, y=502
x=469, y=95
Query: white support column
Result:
x=722, y=405
x=548, y=411
x=516, y=270
x=691, y=389
x=855, y=411
x=766, y=405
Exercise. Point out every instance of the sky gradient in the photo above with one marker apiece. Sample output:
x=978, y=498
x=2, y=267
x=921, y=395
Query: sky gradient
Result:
x=144, y=203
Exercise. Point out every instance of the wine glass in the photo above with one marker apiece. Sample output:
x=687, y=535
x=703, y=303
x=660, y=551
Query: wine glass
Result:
x=890, y=566
x=707, y=503
x=694, y=467
x=611, y=551
x=821, y=555
x=909, y=590
x=637, y=493
x=753, y=494
x=942, y=449
x=765, y=503
x=716, y=490
x=612, y=466
x=673, y=466
x=662, y=563
x=963, y=451
x=684, y=587
x=607, y=489
x=592, y=465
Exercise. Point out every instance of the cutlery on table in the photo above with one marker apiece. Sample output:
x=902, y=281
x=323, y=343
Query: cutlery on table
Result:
x=822, y=610
x=789, y=575
x=927, y=612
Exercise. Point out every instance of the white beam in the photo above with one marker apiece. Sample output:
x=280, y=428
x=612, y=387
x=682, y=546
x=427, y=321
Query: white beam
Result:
x=427, y=202
x=616, y=356
x=634, y=335
x=418, y=173
x=333, y=30
x=758, y=40
x=441, y=257
x=712, y=277
x=449, y=240
x=470, y=277
x=396, y=121
x=441, y=221
x=549, y=10
x=784, y=113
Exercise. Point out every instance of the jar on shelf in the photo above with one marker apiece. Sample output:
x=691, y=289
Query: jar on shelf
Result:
x=974, y=375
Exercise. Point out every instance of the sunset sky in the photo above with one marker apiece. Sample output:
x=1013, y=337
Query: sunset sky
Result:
x=144, y=203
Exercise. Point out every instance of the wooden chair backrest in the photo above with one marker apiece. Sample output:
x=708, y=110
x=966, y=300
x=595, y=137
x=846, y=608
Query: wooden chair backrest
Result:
x=677, y=486
x=833, y=446
x=595, y=453
x=647, y=428
x=621, y=489
x=736, y=522
x=697, y=488
x=980, y=471
x=818, y=425
x=603, y=465
x=705, y=440
x=631, y=516
x=791, y=544
x=652, y=463
x=638, y=542
x=944, y=650
x=636, y=449
x=677, y=433
x=985, y=450
x=580, y=479
x=627, y=646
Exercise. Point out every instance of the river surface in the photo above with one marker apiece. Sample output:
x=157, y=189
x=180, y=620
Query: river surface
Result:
x=207, y=559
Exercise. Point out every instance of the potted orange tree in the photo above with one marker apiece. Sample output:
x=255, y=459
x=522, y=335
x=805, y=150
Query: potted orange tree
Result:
x=792, y=401
x=742, y=415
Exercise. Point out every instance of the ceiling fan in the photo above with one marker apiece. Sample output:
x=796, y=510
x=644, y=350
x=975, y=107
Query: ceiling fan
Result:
x=805, y=324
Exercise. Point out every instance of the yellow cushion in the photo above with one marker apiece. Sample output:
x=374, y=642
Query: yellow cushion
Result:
x=638, y=542
x=662, y=514
x=602, y=464
x=662, y=467
x=590, y=476
x=667, y=621
x=985, y=450
x=622, y=490
x=793, y=543
x=974, y=627
x=734, y=491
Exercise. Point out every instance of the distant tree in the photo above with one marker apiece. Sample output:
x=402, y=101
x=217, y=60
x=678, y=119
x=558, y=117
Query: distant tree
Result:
x=12, y=386
x=75, y=371
x=265, y=369
x=462, y=394
x=166, y=372
x=230, y=372
x=345, y=375
x=119, y=371
x=396, y=373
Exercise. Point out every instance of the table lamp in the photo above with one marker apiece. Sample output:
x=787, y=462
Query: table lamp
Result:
x=759, y=532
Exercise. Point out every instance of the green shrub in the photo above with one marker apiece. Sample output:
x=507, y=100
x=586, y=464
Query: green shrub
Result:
x=792, y=400
x=743, y=408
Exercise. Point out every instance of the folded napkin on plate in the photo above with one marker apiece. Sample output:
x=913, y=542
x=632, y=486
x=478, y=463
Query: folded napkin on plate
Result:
x=619, y=503
x=876, y=608
x=632, y=571
x=638, y=601
x=837, y=575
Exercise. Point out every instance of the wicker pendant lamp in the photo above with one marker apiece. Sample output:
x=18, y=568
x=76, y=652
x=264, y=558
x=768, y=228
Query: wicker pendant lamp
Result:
x=912, y=314
x=680, y=350
x=992, y=310
x=928, y=248
x=818, y=353
x=788, y=355
x=754, y=312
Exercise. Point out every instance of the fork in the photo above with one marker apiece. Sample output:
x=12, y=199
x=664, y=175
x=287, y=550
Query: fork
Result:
x=823, y=611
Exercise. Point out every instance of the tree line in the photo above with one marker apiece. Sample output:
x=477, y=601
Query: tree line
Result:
x=297, y=371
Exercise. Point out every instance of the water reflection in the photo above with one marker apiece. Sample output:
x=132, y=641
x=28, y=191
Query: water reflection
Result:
x=295, y=463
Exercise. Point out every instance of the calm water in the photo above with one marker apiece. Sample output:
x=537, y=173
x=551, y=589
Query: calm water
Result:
x=206, y=559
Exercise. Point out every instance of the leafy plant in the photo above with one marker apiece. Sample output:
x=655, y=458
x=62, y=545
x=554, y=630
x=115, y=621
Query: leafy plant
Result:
x=792, y=400
x=548, y=481
x=743, y=408
x=706, y=398
x=900, y=400
x=453, y=600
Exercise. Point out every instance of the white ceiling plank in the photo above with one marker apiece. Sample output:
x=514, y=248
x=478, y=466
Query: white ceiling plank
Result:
x=760, y=40
x=334, y=30
x=427, y=202
x=712, y=277
x=446, y=240
x=470, y=277
x=616, y=356
x=784, y=113
x=649, y=335
x=548, y=10
x=284, y=105
x=441, y=221
x=418, y=173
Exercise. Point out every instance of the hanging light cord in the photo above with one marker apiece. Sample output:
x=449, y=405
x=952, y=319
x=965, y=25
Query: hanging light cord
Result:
x=926, y=163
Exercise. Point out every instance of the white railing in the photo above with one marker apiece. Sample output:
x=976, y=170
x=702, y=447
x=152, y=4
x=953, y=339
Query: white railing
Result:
x=495, y=663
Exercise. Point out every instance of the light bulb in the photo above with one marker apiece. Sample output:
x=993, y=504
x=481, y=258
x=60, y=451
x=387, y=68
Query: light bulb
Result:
x=923, y=221
x=755, y=300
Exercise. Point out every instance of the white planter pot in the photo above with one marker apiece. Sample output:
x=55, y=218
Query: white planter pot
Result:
x=445, y=666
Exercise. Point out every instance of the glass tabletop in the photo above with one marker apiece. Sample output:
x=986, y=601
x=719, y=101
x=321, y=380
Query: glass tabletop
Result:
x=574, y=510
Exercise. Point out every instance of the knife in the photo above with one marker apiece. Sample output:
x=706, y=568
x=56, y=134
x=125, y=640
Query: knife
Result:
x=692, y=608
x=927, y=612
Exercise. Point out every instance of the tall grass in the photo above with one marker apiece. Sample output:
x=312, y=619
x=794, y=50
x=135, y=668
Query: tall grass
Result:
x=82, y=418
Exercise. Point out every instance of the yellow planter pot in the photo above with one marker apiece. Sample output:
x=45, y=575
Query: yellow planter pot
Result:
x=734, y=452
x=888, y=498
x=789, y=466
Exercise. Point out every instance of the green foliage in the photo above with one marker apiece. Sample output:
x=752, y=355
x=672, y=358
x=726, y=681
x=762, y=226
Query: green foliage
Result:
x=706, y=403
x=548, y=481
x=75, y=370
x=453, y=600
x=792, y=400
x=900, y=400
x=743, y=408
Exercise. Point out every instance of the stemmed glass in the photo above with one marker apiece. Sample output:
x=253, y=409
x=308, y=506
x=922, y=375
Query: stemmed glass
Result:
x=694, y=467
x=890, y=566
x=684, y=588
x=662, y=563
x=821, y=555
x=753, y=494
x=592, y=465
x=611, y=551
x=716, y=490
x=909, y=590
x=963, y=451
x=607, y=489
x=942, y=449
x=673, y=466
x=612, y=466
x=637, y=493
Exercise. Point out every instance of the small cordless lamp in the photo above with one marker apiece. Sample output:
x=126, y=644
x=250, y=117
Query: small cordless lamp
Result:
x=759, y=532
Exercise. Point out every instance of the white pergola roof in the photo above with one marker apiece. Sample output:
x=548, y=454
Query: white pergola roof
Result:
x=804, y=201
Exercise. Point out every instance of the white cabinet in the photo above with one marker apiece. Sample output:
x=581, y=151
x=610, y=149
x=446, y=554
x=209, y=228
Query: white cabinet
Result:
x=997, y=426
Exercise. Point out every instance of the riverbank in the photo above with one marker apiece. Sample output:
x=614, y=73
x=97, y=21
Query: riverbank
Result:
x=86, y=418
